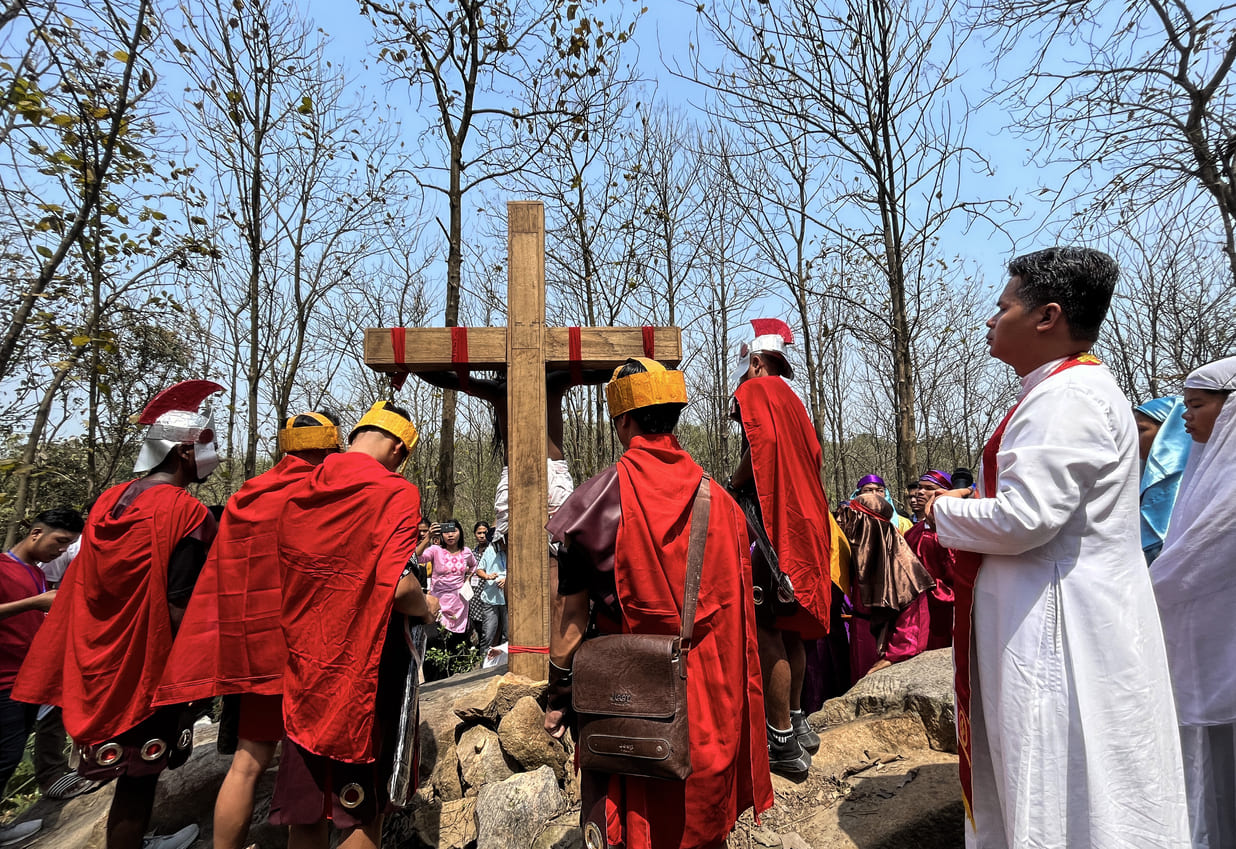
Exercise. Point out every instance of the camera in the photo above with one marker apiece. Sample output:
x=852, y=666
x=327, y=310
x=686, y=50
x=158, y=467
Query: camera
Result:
x=448, y=526
x=962, y=478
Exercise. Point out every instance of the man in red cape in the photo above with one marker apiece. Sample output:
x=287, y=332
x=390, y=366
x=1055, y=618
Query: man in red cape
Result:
x=102, y=651
x=780, y=466
x=624, y=535
x=345, y=536
x=231, y=642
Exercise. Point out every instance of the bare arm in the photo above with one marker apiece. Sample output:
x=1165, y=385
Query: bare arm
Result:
x=558, y=382
x=570, y=621
x=42, y=601
x=435, y=532
x=411, y=600
x=480, y=387
x=742, y=476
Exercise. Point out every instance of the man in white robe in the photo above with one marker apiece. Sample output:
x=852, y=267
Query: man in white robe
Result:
x=1071, y=727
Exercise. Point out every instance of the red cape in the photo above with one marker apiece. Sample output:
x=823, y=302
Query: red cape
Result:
x=657, y=483
x=102, y=651
x=345, y=535
x=785, y=458
x=230, y=640
x=940, y=564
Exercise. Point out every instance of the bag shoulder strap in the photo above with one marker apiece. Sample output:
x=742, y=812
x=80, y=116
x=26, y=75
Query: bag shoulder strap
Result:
x=695, y=561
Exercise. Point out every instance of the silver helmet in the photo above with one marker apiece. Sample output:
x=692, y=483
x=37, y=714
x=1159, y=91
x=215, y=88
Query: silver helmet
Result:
x=174, y=420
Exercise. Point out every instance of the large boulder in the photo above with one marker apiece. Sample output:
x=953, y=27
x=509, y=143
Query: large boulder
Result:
x=495, y=700
x=515, y=812
x=921, y=687
x=439, y=764
x=481, y=759
x=523, y=736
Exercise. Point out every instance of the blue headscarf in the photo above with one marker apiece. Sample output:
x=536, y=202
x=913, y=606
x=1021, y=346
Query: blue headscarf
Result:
x=1164, y=467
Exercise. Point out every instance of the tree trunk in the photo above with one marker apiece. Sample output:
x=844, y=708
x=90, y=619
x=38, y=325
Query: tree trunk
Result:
x=21, y=499
x=454, y=279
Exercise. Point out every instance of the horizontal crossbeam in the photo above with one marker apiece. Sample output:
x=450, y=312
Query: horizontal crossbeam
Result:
x=435, y=348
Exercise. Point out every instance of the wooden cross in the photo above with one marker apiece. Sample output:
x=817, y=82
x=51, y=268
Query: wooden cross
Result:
x=525, y=349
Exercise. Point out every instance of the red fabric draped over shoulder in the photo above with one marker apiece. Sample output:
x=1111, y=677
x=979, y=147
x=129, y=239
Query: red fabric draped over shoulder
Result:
x=102, y=651
x=657, y=481
x=785, y=459
x=230, y=640
x=345, y=536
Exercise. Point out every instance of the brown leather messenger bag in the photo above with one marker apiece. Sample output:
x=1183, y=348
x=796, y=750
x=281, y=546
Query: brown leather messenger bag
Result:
x=629, y=691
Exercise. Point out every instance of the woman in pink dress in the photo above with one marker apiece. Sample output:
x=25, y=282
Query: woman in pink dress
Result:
x=451, y=564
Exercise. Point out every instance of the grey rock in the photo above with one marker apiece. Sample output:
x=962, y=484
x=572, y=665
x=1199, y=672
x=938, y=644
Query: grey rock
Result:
x=457, y=824
x=439, y=768
x=443, y=825
x=514, y=812
x=560, y=837
x=495, y=700
x=764, y=837
x=523, y=736
x=481, y=759
x=921, y=686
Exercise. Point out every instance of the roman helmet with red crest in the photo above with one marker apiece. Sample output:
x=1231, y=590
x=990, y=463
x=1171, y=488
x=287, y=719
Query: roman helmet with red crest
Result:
x=772, y=337
x=174, y=419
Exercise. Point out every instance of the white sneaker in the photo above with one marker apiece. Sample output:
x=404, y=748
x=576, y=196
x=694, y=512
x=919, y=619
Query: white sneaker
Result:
x=18, y=832
x=180, y=840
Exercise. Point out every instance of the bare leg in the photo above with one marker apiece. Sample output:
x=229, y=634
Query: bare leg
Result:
x=775, y=667
x=796, y=653
x=316, y=836
x=366, y=837
x=132, y=806
x=234, y=806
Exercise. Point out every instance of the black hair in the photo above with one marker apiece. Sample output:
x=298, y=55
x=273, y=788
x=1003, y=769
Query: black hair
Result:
x=458, y=527
x=309, y=421
x=1080, y=280
x=482, y=523
x=61, y=519
x=390, y=407
x=659, y=418
x=774, y=362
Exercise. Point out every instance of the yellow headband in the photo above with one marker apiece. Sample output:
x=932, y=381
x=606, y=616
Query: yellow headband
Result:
x=645, y=389
x=389, y=422
x=323, y=436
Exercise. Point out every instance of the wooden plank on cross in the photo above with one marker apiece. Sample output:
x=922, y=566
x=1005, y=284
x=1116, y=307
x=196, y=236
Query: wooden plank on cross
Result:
x=528, y=580
x=524, y=350
x=485, y=348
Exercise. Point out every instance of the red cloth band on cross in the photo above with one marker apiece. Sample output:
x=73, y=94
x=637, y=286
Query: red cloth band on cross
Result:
x=575, y=352
x=527, y=649
x=398, y=340
x=459, y=355
x=650, y=339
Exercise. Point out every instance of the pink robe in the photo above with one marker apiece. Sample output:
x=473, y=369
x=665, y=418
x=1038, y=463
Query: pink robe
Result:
x=450, y=574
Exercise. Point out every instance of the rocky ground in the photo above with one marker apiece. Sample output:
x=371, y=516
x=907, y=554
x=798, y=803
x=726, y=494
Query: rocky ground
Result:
x=885, y=776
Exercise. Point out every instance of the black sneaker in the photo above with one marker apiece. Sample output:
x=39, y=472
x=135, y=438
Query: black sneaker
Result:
x=788, y=759
x=807, y=738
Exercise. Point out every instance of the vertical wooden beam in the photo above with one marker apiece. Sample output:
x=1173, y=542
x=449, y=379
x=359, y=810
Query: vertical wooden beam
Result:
x=528, y=554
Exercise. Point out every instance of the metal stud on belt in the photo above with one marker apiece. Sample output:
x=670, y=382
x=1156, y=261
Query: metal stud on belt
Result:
x=351, y=795
x=108, y=754
x=153, y=749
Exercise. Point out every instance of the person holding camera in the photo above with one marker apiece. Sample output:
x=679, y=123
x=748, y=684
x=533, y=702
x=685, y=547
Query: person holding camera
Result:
x=450, y=564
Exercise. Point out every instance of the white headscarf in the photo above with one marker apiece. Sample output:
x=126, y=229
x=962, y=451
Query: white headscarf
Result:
x=1195, y=576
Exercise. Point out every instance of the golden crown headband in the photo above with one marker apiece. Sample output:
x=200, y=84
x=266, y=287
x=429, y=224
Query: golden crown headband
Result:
x=655, y=386
x=391, y=422
x=323, y=435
